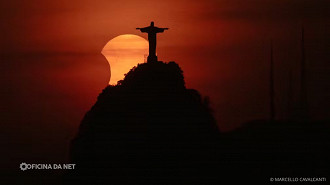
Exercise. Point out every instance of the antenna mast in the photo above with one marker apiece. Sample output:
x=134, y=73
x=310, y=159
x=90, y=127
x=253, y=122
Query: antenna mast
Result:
x=271, y=83
x=303, y=90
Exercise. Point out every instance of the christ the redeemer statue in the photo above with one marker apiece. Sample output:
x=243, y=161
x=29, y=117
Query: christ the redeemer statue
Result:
x=152, y=31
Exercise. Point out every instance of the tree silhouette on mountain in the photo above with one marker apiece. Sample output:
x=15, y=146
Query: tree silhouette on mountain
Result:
x=148, y=128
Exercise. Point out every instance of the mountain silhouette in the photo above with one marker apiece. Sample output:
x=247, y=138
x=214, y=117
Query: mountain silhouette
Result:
x=149, y=128
x=264, y=149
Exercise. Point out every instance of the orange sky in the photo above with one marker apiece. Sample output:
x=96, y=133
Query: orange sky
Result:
x=53, y=69
x=221, y=45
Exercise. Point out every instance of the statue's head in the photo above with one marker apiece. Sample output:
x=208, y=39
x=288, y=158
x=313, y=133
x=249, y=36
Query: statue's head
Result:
x=152, y=23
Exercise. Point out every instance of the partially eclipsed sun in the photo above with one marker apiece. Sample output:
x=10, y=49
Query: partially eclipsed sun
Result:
x=124, y=52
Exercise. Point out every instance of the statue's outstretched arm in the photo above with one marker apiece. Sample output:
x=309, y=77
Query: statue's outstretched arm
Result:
x=160, y=30
x=143, y=29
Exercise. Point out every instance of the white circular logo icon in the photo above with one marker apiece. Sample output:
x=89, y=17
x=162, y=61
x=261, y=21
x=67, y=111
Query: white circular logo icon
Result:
x=23, y=166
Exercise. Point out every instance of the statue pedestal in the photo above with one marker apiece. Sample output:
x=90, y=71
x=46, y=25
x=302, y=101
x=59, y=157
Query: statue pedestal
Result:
x=152, y=58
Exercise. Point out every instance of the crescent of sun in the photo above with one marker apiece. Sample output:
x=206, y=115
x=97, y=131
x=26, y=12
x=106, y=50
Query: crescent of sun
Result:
x=124, y=52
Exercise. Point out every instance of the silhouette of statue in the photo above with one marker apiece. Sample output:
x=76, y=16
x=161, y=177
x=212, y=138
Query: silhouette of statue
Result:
x=152, y=31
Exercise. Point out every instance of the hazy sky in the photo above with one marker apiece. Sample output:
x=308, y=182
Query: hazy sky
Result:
x=52, y=68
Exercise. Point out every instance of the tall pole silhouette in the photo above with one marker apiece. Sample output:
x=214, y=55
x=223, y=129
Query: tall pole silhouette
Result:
x=303, y=91
x=290, y=96
x=271, y=84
